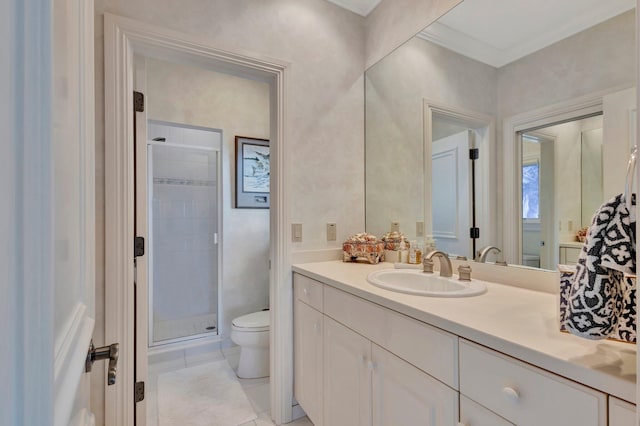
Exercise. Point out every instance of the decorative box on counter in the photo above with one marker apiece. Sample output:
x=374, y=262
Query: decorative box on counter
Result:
x=393, y=240
x=626, y=331
x=363, y=246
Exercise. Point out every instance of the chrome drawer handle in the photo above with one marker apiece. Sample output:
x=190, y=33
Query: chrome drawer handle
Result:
x=511, y=394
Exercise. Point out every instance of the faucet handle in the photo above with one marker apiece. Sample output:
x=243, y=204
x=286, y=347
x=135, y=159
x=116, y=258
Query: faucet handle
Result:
x=464, y=273
x=427, y=265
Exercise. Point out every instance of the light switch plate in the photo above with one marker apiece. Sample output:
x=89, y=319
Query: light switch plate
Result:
x=395, y=226
x=419, y=229
x=296, y=232
x=331, y=231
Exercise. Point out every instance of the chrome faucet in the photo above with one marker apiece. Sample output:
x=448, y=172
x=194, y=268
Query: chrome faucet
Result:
x=445, y=263
x=484, y=251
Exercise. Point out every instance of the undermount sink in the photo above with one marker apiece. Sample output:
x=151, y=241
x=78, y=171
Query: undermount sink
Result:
x=423, y=284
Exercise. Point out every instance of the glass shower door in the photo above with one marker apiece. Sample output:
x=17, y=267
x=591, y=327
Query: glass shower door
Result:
x=184, y=197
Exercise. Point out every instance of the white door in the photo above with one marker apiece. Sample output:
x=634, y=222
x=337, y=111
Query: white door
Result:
x=405, y=395
x=73, y=208
x=347, y=378
x=450, y=194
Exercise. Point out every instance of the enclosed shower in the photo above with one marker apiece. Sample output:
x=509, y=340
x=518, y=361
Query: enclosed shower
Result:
x=184, y=218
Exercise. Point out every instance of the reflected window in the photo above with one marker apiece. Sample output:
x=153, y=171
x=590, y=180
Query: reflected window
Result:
x=531, y=191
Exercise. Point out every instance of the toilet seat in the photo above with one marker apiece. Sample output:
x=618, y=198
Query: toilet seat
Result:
x=256, y=321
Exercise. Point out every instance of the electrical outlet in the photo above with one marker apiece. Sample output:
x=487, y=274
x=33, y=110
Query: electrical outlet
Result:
x=395, y=226
x=419, y=229
x=331, y=231
x=296, y=232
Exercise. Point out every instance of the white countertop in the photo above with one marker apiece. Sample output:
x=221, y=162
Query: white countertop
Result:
x=571, y=244
x=515, y=321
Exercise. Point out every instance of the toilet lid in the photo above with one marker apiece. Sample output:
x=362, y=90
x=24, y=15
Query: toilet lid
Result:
x=254, y=320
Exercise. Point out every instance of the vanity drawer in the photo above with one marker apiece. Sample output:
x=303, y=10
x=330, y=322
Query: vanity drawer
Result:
x=308, y=291
x=428, y=348
x=473, y=414
x=526, y=395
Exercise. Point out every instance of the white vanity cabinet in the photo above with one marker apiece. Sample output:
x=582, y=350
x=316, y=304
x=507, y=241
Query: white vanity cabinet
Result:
x=474, y=414
x=347, y=379
x=621, y=413
x=526, y=395
x=405, y=395
x=569, y=253
x=308, y=347
x=370, y=364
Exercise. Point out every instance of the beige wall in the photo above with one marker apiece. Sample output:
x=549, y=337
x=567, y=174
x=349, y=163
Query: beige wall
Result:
x=393, y=22
x=596, y=59
x=396, y=88
x=237, y=106
x=324, y=45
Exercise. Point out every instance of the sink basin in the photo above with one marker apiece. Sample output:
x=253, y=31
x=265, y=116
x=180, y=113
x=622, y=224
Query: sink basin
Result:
x=422, y=284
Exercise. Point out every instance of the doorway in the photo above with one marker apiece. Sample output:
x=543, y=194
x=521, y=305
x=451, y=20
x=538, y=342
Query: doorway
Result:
x=124, y=38
x=561, y=185
x=458, y=178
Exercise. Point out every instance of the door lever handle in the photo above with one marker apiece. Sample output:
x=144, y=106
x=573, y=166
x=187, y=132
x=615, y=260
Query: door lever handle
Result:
x=105, y=352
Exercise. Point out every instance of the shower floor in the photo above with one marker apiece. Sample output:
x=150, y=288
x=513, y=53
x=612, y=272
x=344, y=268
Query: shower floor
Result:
x=184, y=327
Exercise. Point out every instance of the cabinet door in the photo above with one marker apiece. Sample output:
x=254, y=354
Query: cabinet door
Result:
x=473, y=414
x=347, y=379
x=307, y=329
x=405, y=395
x=621, y=413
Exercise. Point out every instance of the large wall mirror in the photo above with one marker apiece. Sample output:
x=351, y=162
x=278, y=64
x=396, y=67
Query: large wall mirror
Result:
x=543, y=94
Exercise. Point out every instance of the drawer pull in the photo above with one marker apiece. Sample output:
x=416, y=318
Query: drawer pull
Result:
x=511, y=394
x=371, y=365
x=305, y=291
x=316, y=327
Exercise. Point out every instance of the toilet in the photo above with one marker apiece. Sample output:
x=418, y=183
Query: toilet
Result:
x=251, y=333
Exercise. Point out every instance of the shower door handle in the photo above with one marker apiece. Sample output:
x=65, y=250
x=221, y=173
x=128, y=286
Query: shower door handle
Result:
x=215, y=238
x=105, y=352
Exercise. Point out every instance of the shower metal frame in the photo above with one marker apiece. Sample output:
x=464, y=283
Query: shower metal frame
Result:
x=213, y=336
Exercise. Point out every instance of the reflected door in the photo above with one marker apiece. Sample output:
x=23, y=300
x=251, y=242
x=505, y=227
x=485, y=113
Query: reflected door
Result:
x=450, y=194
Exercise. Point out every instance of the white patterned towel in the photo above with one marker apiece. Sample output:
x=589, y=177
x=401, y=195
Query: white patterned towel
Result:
x=595, y=302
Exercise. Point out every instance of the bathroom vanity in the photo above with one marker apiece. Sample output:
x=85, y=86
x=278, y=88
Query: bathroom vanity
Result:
x=365, y=355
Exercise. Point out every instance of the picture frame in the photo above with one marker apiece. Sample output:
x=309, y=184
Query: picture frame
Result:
x=252, y=173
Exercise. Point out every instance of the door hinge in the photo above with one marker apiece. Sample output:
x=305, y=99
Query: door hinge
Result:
x=138, y=246
x=138, y=392
x=138, y=101
x=474, y=153
x=474, y=232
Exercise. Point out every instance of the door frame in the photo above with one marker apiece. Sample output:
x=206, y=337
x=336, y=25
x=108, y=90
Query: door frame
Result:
x=123, y=38
x=485, y=184
x=512, y=157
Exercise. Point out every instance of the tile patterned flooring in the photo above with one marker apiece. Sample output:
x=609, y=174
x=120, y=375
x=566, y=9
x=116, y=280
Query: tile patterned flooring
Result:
x=257, y=390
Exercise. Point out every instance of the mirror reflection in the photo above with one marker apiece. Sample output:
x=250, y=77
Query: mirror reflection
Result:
x=468, y=77
x=561, y=175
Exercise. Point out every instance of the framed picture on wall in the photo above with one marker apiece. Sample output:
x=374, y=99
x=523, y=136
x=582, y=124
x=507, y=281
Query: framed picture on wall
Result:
x=252, y=173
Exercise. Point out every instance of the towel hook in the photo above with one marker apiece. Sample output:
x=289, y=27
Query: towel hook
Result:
x=631, y=167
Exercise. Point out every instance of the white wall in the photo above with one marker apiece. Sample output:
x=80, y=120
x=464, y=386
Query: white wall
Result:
x=237, y=106
x=324, y=45
x=596, y=59
x=393, y=22
x=395, y=90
